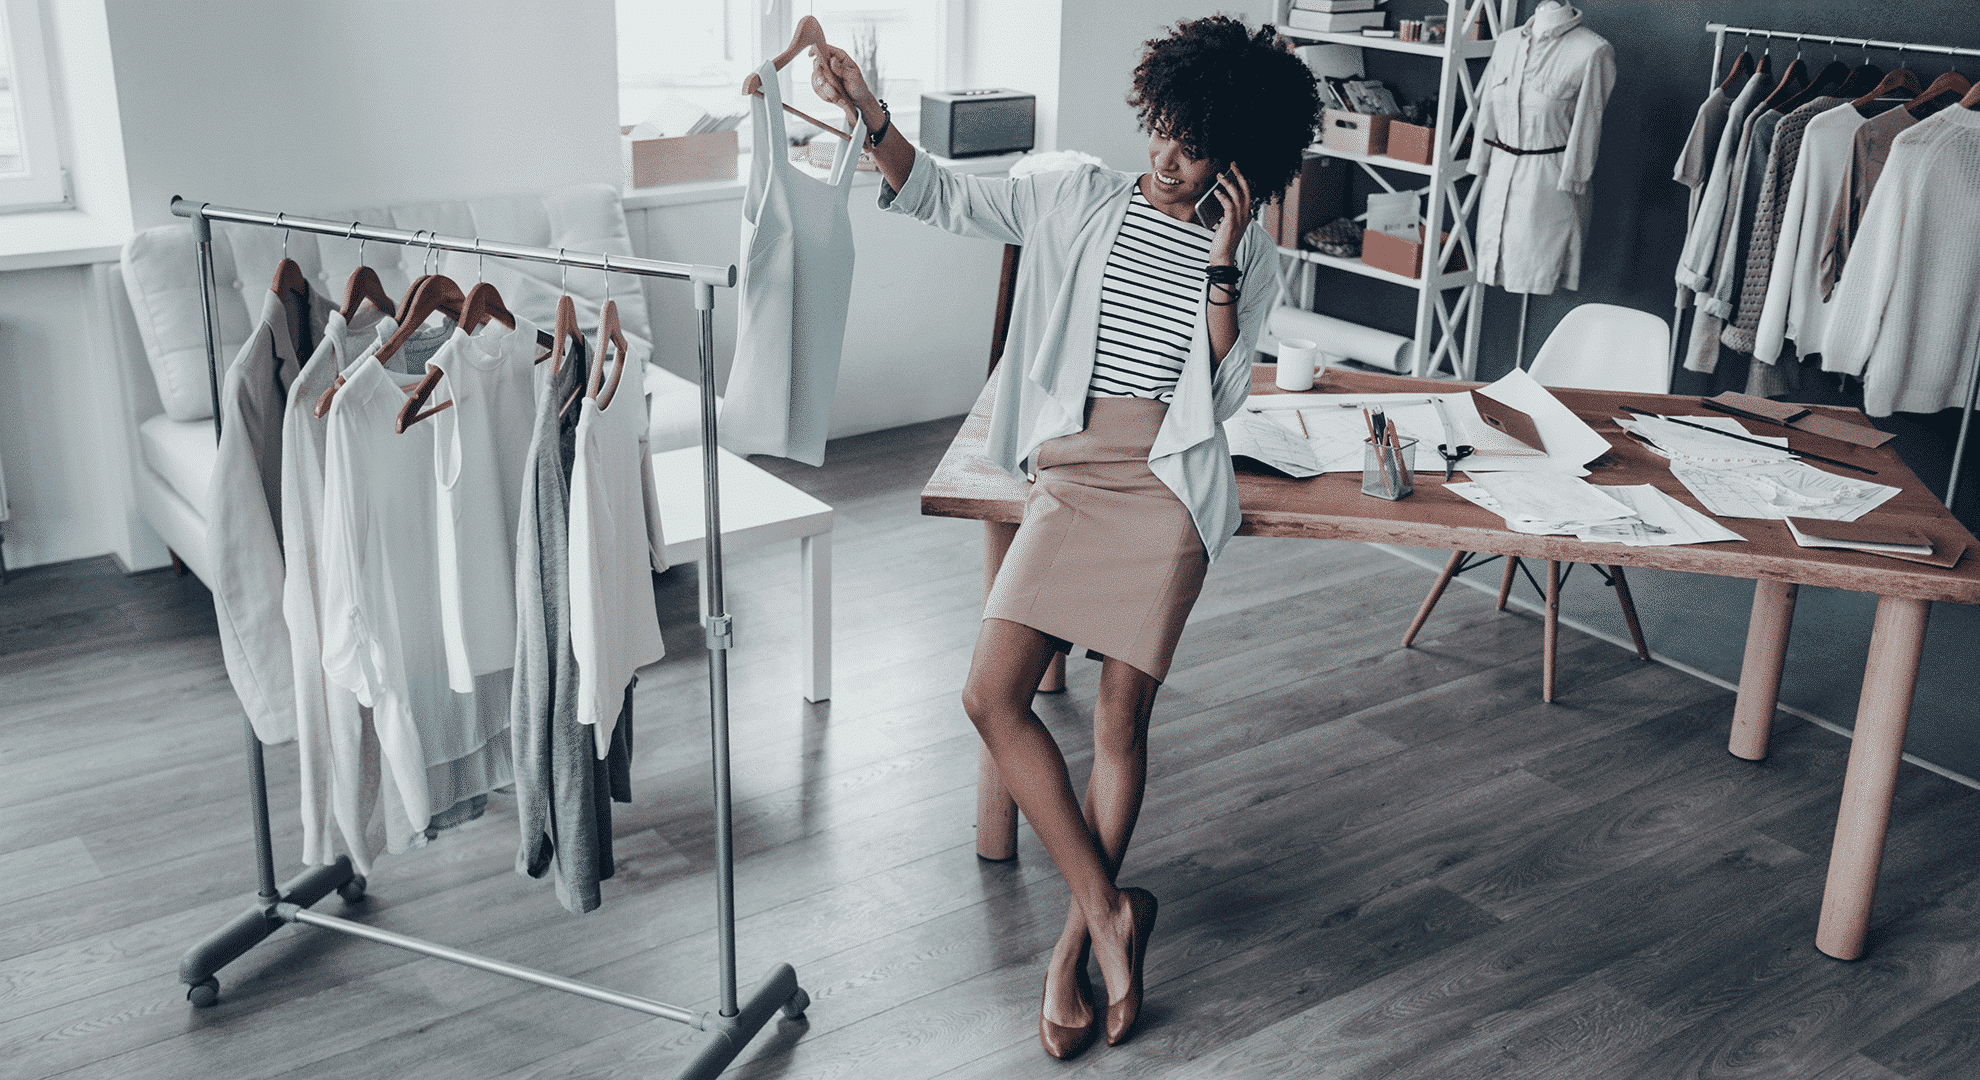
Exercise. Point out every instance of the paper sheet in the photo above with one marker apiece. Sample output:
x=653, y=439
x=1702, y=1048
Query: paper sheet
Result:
x=1571, y=443
x=1775, y=490
x=1543, y=497
x=1659, y=521
x=1681, y=443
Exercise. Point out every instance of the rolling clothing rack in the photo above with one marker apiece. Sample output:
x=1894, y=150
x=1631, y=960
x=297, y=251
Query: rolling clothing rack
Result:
x=735, y=1024
x=1719, y=32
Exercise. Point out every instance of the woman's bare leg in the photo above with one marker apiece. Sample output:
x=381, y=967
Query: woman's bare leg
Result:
x=1003, y=674
x=1113, y=793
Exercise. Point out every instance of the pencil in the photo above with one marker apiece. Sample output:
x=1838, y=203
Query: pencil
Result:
x=1302, y=423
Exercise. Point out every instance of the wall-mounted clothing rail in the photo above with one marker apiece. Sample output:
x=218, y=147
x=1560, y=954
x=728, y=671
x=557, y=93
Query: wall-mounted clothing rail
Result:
x=737, y=1022
x=1720, y=32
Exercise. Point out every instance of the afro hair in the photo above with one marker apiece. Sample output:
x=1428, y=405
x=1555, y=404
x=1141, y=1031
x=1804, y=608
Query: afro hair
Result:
x=1232, y=95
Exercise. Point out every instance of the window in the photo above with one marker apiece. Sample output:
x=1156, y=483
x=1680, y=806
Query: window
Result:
x=30, y=159
x=701, y=50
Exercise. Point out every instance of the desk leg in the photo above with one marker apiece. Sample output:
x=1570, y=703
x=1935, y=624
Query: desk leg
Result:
x=1436, y=593
x=1760, y=671
x=1874, y=754
x=815, y=582
x=1551, y=632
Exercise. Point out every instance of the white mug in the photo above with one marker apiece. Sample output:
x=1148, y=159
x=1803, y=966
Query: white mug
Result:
x=1296, y=359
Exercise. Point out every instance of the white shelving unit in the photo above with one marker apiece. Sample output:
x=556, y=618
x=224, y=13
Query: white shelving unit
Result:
x=1449, y=300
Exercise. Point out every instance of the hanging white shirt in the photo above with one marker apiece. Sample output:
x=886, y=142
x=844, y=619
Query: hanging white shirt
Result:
x=615, y=628
x=243, y=513
x=337, y=755
x=480, y=454
x=1794, y=307
x=381, y=607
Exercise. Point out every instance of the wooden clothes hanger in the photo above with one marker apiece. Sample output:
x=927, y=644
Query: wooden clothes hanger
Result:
x=1826, y=81
x=482, y=305
x=364, y=285
x=1860, y=80
x=429, y=293
x=1901, y=78
x=1944, y=91
x=809, y=33
x=609, y=336
x=1972, y=99
x=1743, y=65
x=1791, y=84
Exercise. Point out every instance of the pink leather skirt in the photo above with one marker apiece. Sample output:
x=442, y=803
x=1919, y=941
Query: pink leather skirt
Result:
x=1107, y=557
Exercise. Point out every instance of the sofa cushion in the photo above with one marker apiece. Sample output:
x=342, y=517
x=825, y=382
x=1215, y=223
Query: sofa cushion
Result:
x=181, y=452
x=162, y=276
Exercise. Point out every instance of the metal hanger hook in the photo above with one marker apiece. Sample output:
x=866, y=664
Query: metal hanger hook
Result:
x=563, y=274
x=480, y=260
x=285, y=236
x=432, y=264
x=606, y=273
x=352, y=231
x=1798, y=38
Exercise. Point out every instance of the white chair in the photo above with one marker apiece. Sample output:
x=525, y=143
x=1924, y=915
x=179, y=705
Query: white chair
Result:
x=1597, y=347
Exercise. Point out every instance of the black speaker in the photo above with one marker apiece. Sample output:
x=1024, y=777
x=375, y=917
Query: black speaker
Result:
x=970, y=123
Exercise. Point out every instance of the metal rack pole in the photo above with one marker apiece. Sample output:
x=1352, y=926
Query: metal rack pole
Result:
x=738, y=1021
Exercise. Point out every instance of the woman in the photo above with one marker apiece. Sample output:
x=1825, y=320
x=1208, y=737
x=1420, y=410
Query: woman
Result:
x=1131, y=338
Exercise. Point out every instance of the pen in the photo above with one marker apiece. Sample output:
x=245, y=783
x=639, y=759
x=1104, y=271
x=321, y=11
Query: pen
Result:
x=1791, y=451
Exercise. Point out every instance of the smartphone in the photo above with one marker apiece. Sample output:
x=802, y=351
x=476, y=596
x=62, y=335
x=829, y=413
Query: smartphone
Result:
x=1209, y=208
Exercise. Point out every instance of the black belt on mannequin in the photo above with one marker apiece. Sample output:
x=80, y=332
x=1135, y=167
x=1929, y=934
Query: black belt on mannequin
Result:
x=1497, y=145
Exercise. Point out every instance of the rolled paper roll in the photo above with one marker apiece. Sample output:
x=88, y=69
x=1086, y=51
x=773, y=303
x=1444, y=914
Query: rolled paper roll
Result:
x=1338, y=337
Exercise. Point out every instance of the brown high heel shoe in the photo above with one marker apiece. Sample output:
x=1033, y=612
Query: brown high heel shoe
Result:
x=1066, y=1043
x=1121, y=1014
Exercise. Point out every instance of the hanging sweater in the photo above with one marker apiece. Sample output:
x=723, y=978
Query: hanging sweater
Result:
x=1794, y=308
x=1907, y=315
x=1764, y=246
x=1870, y=149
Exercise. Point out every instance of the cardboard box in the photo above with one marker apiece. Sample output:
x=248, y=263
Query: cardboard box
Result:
x=1318, y=194
x=1411, y=142
x=1396, y=255
x=651, y=162
x=1356, y=133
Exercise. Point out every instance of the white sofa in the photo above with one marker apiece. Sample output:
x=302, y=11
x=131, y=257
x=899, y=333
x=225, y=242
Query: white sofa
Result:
x=176, y=446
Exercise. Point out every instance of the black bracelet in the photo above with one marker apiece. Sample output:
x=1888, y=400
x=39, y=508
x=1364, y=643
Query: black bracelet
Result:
x=1230, y=291
x=1222, y=275
x=873, y=138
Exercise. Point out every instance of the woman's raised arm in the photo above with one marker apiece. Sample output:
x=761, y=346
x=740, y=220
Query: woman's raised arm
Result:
x=836, y=79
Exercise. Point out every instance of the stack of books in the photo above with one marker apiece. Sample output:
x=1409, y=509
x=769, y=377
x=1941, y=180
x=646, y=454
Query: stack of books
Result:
x=1336, y=16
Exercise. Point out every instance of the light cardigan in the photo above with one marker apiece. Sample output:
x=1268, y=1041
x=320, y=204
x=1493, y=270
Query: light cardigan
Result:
x=1066, y=222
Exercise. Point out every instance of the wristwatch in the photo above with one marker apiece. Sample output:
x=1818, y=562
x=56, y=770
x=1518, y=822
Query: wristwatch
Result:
x=886, y=121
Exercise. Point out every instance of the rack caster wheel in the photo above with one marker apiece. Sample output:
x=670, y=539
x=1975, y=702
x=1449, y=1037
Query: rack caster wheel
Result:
x=795, y=1005
x=204, y=994
x=352, y=891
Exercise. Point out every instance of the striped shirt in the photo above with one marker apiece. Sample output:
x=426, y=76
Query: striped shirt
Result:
x=1150, y=296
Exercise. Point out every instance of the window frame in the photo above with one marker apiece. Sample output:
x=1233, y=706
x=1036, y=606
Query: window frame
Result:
x=46, y=186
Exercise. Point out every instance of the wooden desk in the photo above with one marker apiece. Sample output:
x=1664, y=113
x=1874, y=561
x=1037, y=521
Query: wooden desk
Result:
x=1331, y=507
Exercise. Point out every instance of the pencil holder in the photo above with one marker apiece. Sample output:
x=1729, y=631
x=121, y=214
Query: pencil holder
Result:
x=1385, y=470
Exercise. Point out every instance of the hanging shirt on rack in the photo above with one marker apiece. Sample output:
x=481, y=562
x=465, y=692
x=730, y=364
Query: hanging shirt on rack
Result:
x=1717, y=292
x=1701, y=244
x=791, y=300
x=615, y=629
x=1794, y=308
x=243, y=518
x=382, y=626
x=336, y=750
x=1907, y=315
x=480, y=458
x=1539, y=124
x=1870, y=148
x=564, y=793
x=1782, y=160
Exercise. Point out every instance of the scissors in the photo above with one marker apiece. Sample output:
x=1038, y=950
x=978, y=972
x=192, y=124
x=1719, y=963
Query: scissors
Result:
x=1451, y=458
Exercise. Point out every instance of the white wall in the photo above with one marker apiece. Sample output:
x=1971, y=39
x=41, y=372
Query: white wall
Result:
x=1096, y=69
x=1015, y=44
x=362, y=102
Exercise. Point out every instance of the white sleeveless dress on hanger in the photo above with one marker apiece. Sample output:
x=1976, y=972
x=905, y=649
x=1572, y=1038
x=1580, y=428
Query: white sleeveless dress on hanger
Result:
x=795, y=284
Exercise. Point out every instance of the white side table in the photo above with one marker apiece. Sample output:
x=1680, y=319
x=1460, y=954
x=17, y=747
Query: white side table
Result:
x=757, y=509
